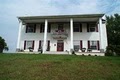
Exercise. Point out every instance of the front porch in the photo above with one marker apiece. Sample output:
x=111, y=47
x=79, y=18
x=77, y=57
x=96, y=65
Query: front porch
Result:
x=68, y=53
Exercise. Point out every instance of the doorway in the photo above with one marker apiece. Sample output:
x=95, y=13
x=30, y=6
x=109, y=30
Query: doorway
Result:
x=60, y=45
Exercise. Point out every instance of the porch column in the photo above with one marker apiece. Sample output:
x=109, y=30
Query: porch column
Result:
x=45, y=36
x=71, y=34
x=19, y=34
x=100, y=33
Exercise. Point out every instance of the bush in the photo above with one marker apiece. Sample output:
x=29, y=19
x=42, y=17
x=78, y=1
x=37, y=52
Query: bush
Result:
x=112, y=50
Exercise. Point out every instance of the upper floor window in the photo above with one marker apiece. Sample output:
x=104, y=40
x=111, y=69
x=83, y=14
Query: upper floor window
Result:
x=92, y=27
x=30, y=28
x=60, y=26
x=77, y=27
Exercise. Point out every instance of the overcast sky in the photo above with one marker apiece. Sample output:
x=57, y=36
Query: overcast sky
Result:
x=10, y=9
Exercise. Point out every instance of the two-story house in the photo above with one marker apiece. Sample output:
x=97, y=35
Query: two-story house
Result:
x=61, y=33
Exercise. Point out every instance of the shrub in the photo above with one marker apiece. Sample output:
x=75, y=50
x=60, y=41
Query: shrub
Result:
x=112, y=50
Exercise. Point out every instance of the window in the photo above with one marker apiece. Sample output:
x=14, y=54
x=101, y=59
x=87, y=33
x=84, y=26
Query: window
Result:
x=93, y=44
x=77, y=27
x=76, y=44
x=28, y=44
x=91, y=27
x=30, y=28
x=60, y=26
x=41, y=45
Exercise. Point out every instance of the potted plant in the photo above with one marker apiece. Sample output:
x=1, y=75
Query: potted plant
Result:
x=83, y=49
x=30, y=49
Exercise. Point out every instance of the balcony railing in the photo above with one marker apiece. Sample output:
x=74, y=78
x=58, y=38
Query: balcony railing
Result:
x=59, y=34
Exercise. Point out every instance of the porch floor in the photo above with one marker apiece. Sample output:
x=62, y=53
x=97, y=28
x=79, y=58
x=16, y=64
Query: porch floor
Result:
x=68, y=53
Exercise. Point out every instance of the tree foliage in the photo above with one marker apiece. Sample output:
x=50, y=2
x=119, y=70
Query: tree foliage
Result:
x=113, y=29
x=3, y=45
x=113, y=33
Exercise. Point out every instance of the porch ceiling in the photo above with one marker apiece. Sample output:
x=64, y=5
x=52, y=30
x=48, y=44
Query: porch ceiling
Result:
x=62, y=18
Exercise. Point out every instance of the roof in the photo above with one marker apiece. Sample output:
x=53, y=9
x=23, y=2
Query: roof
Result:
x=61, y=16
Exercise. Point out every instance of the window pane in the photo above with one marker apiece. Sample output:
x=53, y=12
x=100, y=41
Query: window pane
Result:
x=76, y=47
x=93, y=44
x=30, y=27
x=29, y=44
x=92, y=29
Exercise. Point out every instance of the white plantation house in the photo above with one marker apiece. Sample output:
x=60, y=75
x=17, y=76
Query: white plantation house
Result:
x=61, y=33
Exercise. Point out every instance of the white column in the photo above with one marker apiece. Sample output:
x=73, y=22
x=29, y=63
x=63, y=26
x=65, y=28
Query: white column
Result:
x=101, y=33
x=19, y=34
x=71, y=33
x=45, y=36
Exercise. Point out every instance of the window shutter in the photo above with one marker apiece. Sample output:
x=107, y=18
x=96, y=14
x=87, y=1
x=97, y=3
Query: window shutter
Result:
x=40, y=44
x=24, y=45
x=34, y=28
x=80, y=44
x=96, y=28
x=80, y=27
x=48, y=46
x=87, y=27
x=33, y=45
x=26, y=28
x=98, y=45
x=41, y=28
x=88, y=44
x=49, y=28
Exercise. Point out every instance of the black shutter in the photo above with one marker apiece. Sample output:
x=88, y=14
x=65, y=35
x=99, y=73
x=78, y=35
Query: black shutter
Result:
x=33, y=45
x=87, y=27
x=80, y=44
x=26, y=28
x=24, y=45
x=49, y=28
x=40, y=44
x=96, y=28
x=80, y=27
x=34, y=28
x=98, y=45
x=41, y=28
x=88, y=44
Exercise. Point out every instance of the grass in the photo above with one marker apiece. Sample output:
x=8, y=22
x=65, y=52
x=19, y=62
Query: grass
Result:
x=58, y=67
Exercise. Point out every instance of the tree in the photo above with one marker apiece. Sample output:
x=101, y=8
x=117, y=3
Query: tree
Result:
x=3, y=45
x=113, y=33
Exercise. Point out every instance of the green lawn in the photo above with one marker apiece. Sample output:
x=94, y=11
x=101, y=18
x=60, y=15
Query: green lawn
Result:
x=58, y=67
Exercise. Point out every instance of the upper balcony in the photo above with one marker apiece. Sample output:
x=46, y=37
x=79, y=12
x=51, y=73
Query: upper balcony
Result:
x=60, y=34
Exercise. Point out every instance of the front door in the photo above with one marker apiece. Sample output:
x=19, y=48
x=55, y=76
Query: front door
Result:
x=60, y=45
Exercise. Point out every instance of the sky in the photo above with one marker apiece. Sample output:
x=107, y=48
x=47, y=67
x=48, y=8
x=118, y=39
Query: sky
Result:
x=11, y=9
